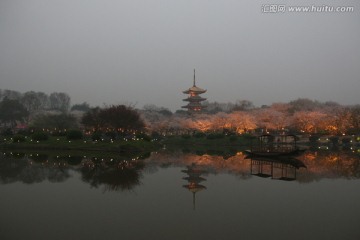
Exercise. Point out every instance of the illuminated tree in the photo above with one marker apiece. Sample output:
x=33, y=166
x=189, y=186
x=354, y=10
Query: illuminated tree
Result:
x=202, y=123
x=242, y=121
x=338, y=120
x=220, y=122
x=354, y=119
x=308, y=121
x=265, y=119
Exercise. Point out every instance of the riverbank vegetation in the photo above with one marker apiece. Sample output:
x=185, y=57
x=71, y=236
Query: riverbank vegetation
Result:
x=75, y=141
x=38, y=120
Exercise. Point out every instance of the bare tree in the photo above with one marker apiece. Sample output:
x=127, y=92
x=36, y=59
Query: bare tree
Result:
x=60, y=101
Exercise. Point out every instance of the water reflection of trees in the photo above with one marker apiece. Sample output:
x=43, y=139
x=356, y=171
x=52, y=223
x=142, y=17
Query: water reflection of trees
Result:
x=19, y=167
x=330, y=164
x=11, y=168
x=123, y=174
x=114, y=175
x=320, y=164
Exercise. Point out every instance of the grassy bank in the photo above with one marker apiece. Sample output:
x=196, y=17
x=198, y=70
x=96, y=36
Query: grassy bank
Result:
x=202, y=143
x=62, y=143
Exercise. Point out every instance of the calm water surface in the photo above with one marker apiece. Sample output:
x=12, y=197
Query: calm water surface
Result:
x=165, y=196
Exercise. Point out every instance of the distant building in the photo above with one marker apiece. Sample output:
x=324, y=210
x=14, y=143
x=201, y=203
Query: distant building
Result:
x=194, y=98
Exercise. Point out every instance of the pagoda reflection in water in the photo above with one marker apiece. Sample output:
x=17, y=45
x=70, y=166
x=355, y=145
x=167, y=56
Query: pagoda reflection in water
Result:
x=194, y=179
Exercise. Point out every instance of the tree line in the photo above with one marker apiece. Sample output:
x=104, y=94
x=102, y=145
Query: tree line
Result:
x=36, y=101
x=298, y=116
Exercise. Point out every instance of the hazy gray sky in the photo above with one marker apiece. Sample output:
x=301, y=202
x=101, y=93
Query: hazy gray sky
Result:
x=144, y=51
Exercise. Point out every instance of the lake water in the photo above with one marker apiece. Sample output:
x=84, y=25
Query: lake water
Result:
x=175, y=195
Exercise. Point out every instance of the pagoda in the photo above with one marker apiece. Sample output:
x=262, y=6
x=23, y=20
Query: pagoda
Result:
x=194, y=98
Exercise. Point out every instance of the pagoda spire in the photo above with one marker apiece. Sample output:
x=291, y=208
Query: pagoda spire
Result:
x=194, y=79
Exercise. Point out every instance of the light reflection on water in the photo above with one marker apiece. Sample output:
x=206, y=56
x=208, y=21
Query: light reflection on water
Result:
x=164, y=197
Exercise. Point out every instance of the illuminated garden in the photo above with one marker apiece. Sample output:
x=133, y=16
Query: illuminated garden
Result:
x=36, y=119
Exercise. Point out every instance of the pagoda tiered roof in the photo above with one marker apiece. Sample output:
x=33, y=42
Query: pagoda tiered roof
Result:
x=194, y=99
x=194, y=89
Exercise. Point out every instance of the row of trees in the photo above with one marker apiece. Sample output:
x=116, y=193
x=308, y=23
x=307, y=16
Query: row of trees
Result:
x=302, y=115
x=120, y=118
x=33, y=108
x=36, y=101
x=301, y=104
x=115, y=118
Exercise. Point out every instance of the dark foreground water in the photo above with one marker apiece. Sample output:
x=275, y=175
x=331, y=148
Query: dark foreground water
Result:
x=164, y=196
